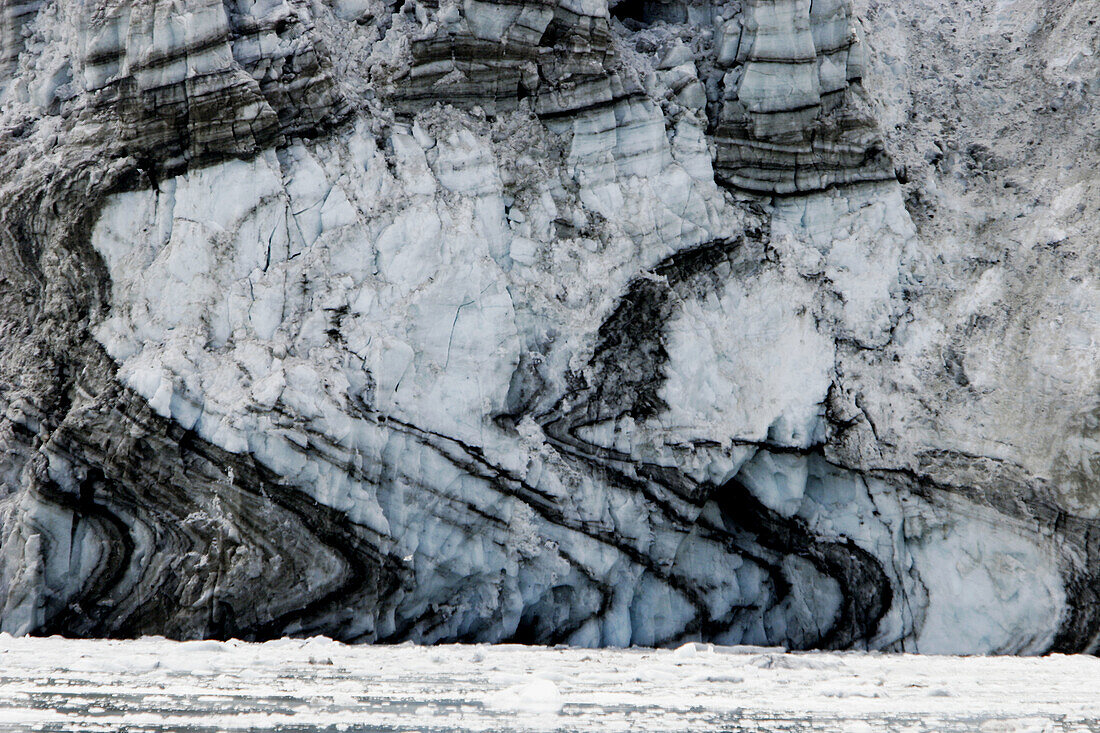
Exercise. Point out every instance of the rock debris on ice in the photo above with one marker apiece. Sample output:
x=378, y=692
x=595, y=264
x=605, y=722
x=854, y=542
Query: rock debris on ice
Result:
x=735, y=322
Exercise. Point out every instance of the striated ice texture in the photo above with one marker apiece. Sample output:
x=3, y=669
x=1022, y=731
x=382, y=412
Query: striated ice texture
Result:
x=570, y=321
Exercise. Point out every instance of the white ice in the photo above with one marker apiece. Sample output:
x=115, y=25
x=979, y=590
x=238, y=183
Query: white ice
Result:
x=316, y=684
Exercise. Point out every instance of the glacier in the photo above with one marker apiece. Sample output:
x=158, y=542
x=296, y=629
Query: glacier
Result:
x=762, y=322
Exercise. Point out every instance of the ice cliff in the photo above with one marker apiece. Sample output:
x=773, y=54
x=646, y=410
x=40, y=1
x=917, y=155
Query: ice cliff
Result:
x=579, y=321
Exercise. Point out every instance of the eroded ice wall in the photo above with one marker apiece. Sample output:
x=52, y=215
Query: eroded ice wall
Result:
x=545, y=322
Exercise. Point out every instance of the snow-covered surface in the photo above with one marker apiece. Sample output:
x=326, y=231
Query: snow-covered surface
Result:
x=317, y=684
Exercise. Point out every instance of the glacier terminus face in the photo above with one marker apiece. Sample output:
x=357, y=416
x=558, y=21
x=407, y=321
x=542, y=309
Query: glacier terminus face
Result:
x=571, y=321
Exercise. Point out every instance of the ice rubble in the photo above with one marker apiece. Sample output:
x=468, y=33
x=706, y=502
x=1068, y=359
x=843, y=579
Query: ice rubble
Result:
x=318, y=684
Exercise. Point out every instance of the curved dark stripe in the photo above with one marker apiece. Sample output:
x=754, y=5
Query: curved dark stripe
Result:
x=629, y=363
x=865, y=588
x=146, y=473
x=115, y=542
